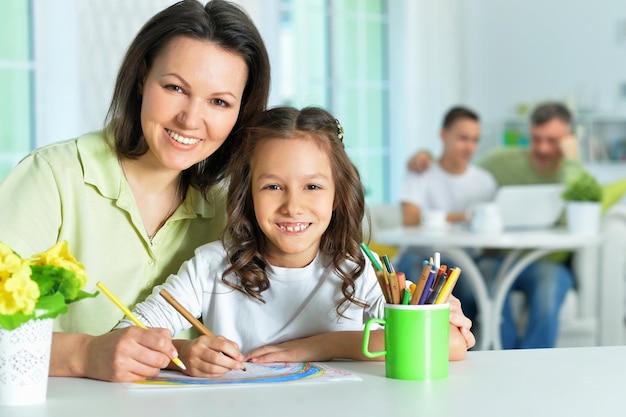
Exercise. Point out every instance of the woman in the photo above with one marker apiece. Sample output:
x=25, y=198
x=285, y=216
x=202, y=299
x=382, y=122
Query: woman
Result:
x=136, y=199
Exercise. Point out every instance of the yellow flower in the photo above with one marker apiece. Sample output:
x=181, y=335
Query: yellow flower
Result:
x=60, y=256
x=18, y=293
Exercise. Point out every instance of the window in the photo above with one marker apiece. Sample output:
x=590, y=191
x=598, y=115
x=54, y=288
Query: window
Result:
x=333, y=54
x=16, y=83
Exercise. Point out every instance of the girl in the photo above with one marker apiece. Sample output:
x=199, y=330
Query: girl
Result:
x=290, y=282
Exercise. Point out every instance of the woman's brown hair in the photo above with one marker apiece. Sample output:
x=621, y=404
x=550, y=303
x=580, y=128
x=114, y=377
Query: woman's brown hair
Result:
x=219, y=22
x=247, y=245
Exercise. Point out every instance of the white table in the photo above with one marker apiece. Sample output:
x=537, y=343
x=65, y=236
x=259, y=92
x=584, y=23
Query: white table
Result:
x=537, y=382
x=525, y=247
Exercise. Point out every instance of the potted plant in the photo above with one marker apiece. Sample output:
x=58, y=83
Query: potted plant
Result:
x=32, y=293
x=583, y=196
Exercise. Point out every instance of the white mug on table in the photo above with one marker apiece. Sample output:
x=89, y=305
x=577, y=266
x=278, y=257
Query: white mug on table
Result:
x=486, y=218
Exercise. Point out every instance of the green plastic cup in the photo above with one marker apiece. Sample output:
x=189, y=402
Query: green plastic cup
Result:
x=416, y=341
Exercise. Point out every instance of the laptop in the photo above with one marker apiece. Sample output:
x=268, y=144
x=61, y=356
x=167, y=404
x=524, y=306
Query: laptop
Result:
x=530, y=206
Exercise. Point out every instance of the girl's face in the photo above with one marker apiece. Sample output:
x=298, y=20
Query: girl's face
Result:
x=191, y=100
x=293, y=192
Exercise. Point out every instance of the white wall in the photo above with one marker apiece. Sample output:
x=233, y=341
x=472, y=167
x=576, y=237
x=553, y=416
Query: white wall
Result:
x=79, y=46
x=527, y=51
x=487, y=54
x=424, y=77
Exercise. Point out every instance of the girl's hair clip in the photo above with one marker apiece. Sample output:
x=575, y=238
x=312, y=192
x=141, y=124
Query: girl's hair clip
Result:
x=339, y=130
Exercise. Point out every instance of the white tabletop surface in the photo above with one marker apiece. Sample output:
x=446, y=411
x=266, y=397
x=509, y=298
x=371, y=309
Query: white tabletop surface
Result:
x=462, y=236
x=543, y=382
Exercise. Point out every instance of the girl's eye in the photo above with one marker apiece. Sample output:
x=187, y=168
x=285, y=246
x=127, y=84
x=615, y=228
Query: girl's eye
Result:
x=313, y=187
x=174, y=88
x=272, y=187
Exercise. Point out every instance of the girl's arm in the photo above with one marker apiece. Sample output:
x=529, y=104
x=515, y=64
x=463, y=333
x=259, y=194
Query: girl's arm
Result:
x=322, y=347
x=340, y=345
x=461, y=338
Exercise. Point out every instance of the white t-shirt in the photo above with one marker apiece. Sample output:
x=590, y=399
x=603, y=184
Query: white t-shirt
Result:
x=436, y=189
x=300, y=302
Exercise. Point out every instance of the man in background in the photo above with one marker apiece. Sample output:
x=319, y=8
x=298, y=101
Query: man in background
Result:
x=452, y=185
x=551, y=158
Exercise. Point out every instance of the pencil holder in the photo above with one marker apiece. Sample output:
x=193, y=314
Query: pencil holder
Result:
x=416, y=341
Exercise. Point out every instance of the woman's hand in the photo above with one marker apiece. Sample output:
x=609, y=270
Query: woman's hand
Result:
x=209, y=356
x=123, y=355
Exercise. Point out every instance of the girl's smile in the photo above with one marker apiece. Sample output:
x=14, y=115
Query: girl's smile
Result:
x=293, y=228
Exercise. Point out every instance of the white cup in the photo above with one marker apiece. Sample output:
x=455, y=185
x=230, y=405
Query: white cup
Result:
x=434, y=219
x=486, y=218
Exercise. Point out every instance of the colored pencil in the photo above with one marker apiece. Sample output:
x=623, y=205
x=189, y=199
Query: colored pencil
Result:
x=420, y=284
x=371, y=257
x=380, y=276
x=449, y=286
x=187, y=315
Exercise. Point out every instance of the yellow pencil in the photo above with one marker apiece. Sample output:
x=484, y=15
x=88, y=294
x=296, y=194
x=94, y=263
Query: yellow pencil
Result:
x=448, y=286
x=131, y=316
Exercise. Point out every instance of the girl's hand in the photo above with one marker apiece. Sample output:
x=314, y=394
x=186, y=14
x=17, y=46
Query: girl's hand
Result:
x=321, y=347
x=458, y=319
x=298, y=350
x=209, y=356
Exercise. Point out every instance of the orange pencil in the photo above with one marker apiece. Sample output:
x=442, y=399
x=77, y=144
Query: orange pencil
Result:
x=401, y=281
x=380, y=276
x=186, y=314
x=421, y=283
x=395, y=288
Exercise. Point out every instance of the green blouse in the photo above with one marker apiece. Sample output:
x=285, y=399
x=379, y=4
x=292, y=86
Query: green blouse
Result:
x=76, y=191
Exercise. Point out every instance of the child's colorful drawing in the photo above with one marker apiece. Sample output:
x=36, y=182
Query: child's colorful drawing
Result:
x=255, y=374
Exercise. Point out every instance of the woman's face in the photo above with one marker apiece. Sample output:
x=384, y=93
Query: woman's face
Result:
x=191, y=98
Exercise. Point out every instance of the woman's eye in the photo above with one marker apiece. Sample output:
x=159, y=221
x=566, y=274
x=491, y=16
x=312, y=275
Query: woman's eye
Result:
x=174, y=88
x=272, y=187
x=313, y=187
x=219, y=102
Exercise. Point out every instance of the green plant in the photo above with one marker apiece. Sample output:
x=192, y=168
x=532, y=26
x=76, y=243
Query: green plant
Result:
x=583, y=188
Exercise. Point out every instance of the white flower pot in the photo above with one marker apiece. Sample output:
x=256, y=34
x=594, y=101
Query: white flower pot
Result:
x=25, y=362
x=583, y=217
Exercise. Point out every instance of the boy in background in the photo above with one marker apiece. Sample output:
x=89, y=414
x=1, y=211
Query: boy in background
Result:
x=452, y=185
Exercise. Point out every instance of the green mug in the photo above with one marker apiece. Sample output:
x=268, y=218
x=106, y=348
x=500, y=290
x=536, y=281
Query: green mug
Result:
x=416, y=341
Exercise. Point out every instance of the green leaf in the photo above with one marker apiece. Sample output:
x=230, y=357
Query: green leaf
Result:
x=14, y=321
x=50, y=306
x=82, y=294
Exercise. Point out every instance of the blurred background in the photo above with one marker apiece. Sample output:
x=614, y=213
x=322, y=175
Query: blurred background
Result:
x=388, y=69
